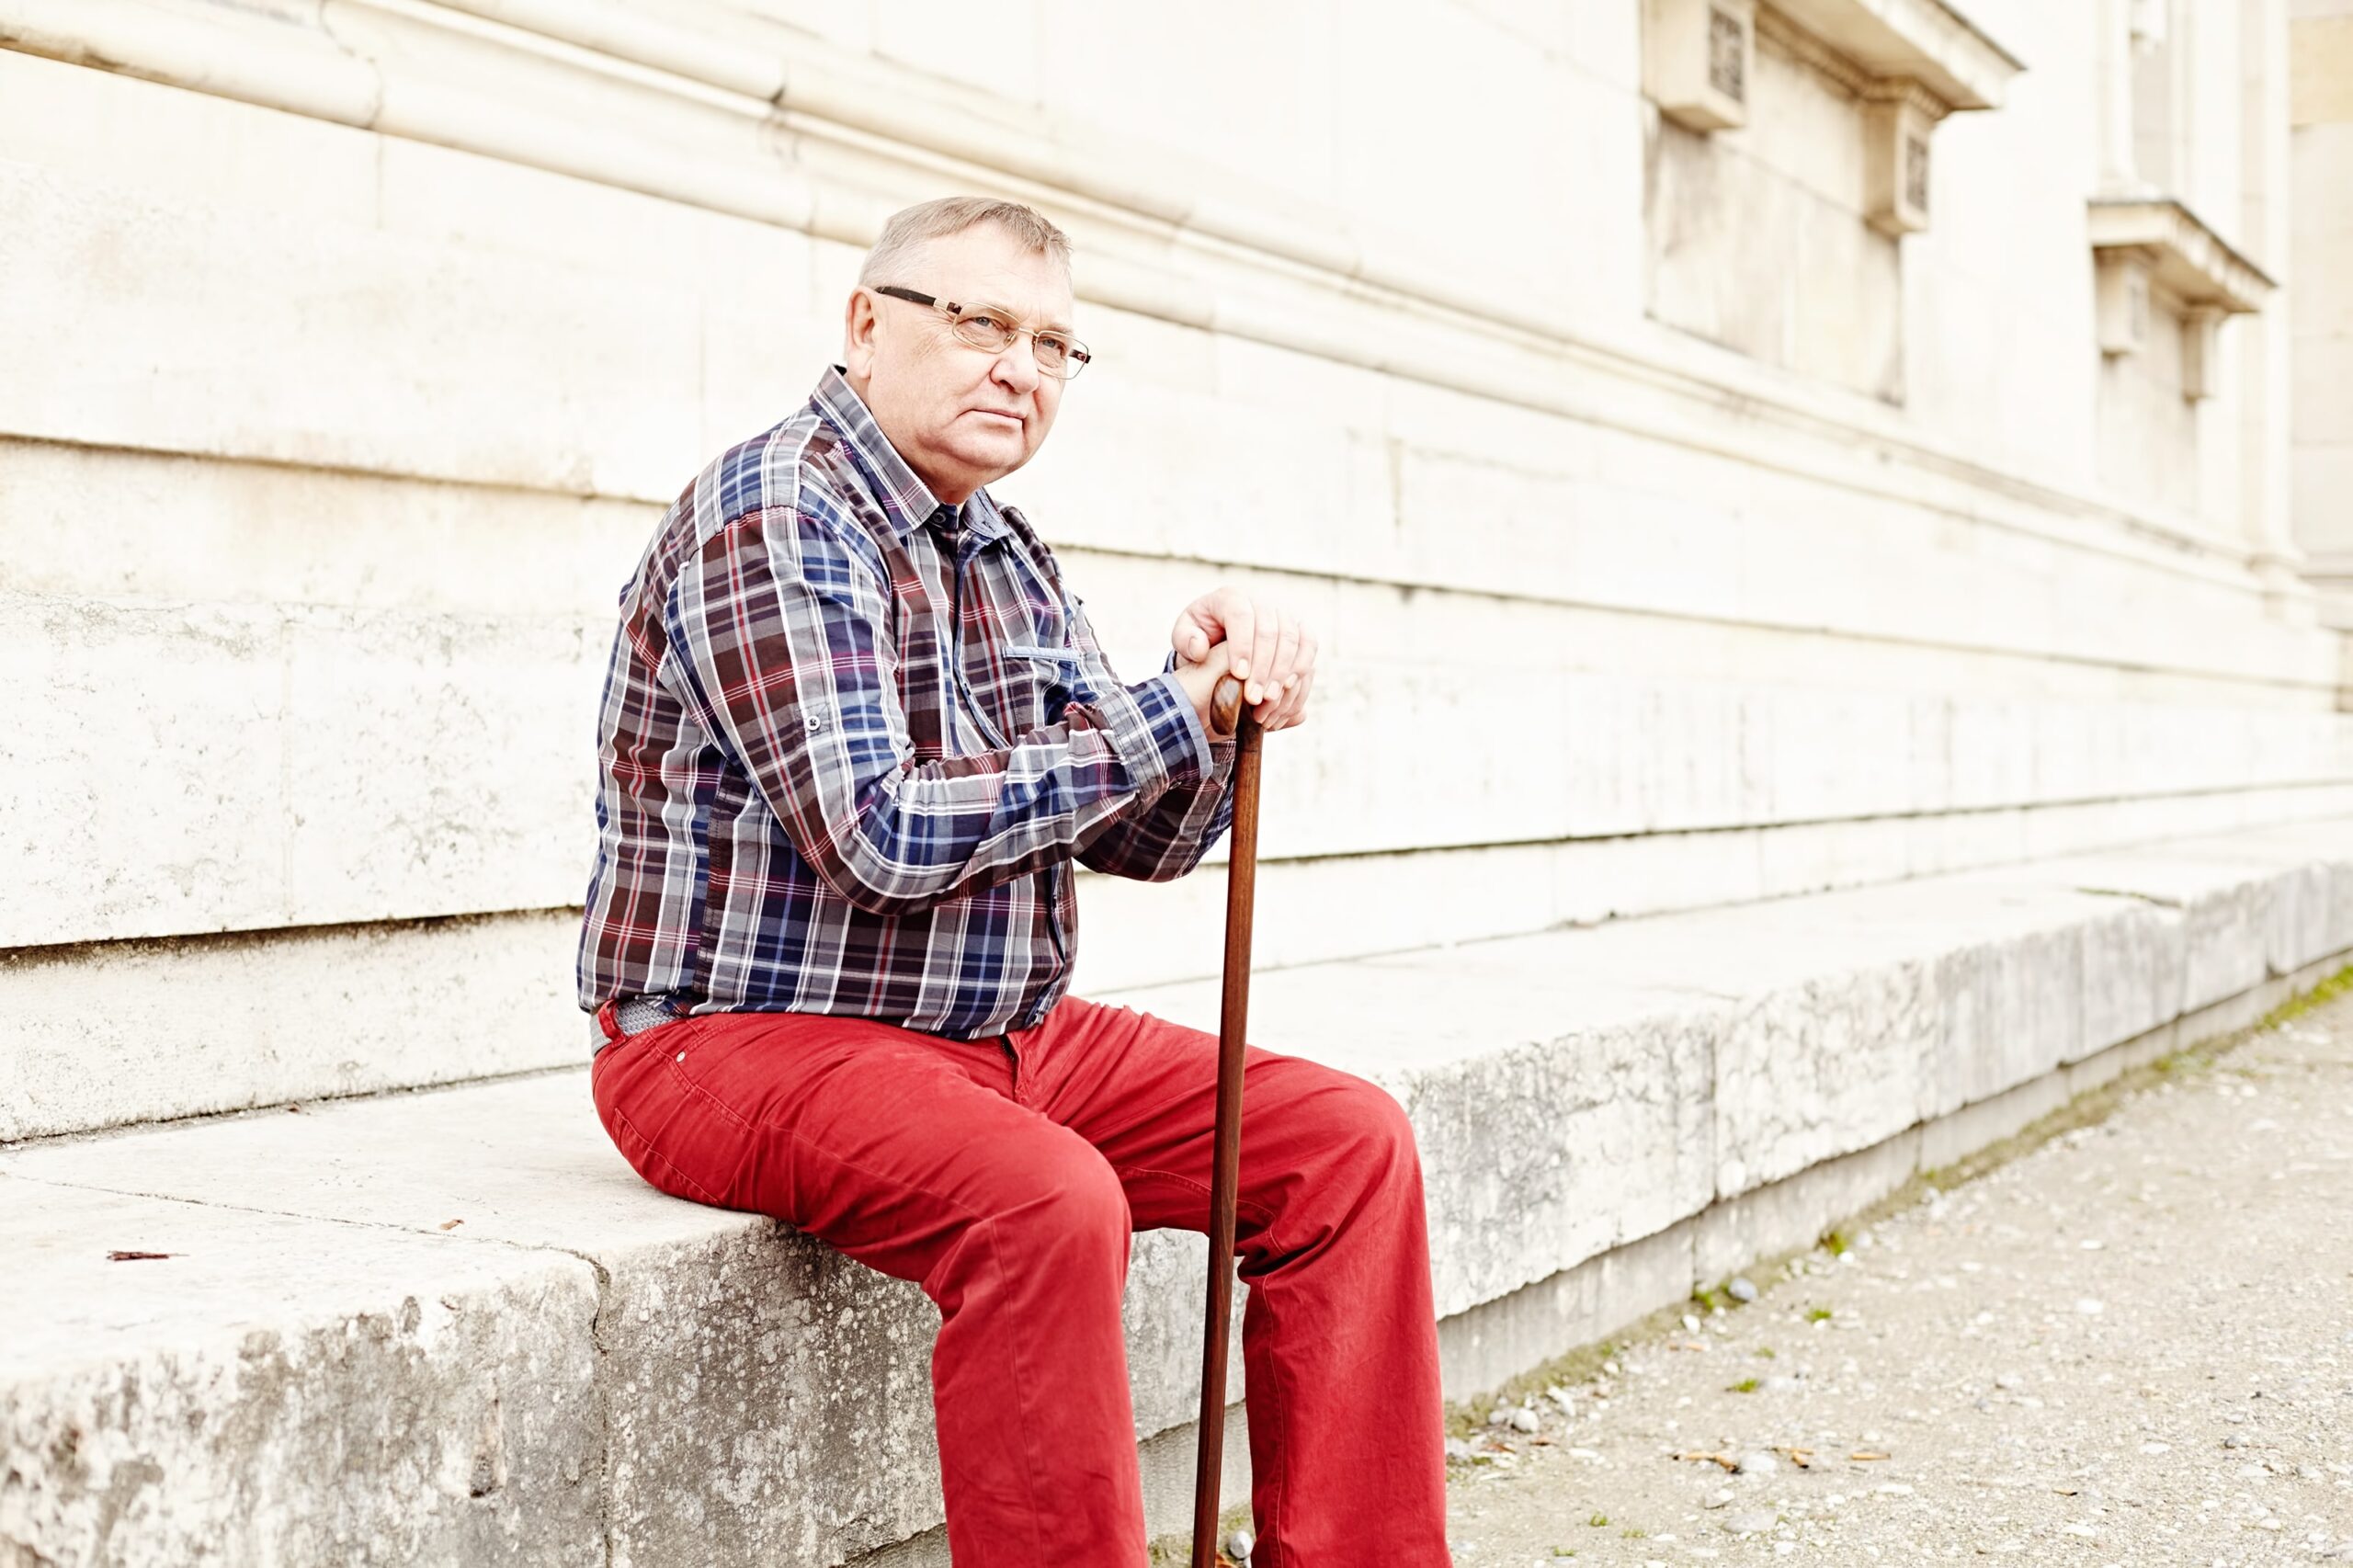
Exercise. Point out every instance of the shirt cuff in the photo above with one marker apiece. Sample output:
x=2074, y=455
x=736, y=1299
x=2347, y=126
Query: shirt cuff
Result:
x=1152, y=727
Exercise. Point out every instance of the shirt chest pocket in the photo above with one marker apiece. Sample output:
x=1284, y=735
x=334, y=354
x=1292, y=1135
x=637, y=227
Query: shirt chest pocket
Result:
x=1031, y=668
x=1041, y=680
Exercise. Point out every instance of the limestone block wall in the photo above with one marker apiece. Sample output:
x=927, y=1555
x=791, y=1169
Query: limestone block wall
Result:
x=2321, y=316
x=348, y=352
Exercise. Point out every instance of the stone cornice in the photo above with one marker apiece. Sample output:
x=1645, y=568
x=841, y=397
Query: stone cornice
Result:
x=702, y=103
x=1809, y=50
x=1818, y=56
x=2189, y=259
x=1919, y=40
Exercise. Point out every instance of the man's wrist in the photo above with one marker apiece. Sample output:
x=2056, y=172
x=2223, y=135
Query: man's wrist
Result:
x=1202, y=753
x=1217, y=750
x=1184, y=744
x=1153, y=729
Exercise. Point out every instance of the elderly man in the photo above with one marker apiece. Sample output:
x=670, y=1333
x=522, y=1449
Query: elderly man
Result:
x=855, y=730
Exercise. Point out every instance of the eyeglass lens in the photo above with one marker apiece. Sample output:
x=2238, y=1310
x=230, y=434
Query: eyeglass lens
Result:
x=986, y=327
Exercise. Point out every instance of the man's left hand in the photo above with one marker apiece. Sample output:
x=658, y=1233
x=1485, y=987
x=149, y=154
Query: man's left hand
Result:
x=1271, y=650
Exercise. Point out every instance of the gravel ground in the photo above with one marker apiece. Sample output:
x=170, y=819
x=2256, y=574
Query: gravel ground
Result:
x=2131, y=1343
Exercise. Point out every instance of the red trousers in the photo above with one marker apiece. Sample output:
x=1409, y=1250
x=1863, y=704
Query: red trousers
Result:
x=1005, y=1176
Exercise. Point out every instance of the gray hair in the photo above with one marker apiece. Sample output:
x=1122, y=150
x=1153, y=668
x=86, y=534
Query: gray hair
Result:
x=910, y=228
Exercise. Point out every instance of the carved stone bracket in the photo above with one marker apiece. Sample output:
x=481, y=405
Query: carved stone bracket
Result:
x=1910, y=62
x=2146, y=247
x=1698, y=59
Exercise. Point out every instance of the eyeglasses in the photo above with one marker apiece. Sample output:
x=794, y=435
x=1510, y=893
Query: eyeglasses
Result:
x=1058, y=354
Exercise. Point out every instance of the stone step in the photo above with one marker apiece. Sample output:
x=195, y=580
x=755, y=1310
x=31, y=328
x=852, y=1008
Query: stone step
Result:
x=452, y=1325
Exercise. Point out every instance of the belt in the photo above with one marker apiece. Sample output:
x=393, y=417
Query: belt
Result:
x=634, y=1016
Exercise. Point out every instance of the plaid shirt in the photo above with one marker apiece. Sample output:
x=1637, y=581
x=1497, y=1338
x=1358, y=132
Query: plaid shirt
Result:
x=851, y=739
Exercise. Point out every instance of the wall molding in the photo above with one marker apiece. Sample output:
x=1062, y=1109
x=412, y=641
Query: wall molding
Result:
x=709, y=106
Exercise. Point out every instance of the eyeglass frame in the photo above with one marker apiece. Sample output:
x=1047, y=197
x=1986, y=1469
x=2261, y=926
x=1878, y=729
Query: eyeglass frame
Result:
x=1078, y=355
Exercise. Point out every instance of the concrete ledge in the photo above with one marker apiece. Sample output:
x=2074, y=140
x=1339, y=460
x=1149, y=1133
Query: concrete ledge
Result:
x=327, y=1367
x=288, y=1389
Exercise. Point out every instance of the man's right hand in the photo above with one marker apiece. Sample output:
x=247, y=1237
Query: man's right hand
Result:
x=1200, y=679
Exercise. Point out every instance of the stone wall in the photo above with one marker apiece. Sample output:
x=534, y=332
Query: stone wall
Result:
x=348, y=352
x=2321, y=307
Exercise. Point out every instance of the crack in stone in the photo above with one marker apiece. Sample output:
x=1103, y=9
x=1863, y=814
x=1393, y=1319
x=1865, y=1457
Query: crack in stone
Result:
x=325, y=23
x=604, y=1392
x=2126, y=892
x=392, y=1226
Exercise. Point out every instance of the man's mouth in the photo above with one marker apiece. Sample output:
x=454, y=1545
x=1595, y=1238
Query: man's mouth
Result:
x=999, y=414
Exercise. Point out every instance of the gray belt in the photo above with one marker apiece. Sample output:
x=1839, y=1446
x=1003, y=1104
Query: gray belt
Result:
x=636, y=1014
x=633, y=1015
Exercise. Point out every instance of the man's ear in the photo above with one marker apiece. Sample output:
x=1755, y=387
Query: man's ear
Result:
x=860, y=322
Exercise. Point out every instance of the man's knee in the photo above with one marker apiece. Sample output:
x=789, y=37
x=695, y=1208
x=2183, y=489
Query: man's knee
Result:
x=1368, y=1123
x=1063, y=1193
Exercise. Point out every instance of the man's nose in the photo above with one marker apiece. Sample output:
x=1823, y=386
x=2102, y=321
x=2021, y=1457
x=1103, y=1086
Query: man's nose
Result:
x=1016, y=367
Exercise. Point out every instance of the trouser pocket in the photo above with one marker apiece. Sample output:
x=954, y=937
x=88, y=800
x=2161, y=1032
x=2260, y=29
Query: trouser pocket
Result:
x=671, y=1134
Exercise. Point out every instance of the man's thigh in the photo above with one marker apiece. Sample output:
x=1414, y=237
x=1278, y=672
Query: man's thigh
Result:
x=1142, y=1090
x=883, y=1142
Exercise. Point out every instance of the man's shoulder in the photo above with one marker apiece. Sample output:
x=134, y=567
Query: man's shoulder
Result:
x=798, y=467
x=798, y=464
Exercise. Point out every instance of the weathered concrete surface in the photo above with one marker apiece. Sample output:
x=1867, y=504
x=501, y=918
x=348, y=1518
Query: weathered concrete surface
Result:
x=1604, y=1115
x=1767, y=1038
x=764, y=1396
x=284, y=1390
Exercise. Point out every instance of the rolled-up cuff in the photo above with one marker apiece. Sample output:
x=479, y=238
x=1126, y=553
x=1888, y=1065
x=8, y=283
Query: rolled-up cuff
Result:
x=1153, y=728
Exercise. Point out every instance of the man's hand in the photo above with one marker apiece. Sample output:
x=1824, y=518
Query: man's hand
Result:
x=1270, y=651
x=1200, y=679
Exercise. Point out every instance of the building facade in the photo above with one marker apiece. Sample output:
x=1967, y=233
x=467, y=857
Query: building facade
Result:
x=1732, y=449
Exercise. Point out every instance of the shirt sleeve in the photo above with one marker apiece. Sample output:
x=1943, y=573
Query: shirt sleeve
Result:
x=1161, y=840
x=779, y=645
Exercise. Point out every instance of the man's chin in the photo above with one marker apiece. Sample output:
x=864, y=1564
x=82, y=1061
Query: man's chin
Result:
x=993, y=459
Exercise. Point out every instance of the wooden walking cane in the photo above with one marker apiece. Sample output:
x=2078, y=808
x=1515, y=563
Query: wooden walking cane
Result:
x=1231, y=718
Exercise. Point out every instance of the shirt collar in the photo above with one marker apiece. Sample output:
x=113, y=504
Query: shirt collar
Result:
x=906, y=500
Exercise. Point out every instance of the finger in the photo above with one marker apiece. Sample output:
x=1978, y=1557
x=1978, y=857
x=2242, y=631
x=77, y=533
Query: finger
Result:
x=1275, y=708
x=1266, y=641
x=1293, y=711
x=1308, y=649
x=1284, y=668
x=1240, y=628
x=1186, y=635
x=1294, y=699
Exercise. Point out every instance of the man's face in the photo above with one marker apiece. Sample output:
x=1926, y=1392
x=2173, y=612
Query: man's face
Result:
x=960, y=416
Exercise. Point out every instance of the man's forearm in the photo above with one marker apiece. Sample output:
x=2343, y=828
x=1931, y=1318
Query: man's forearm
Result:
x=1162, y=839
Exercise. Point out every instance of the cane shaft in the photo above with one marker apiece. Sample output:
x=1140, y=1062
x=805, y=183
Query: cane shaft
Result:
x=1225, y=1171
